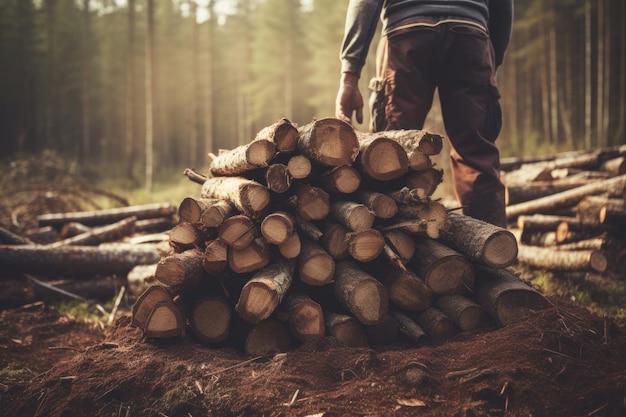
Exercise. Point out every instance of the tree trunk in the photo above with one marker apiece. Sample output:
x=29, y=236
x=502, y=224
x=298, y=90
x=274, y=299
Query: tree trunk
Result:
x=407, y=290
x=77, y=260
x=432, y=213
x=334, y=240
x=383, y=206
x=479, y=241
x=185, y=236
x=381, y=158
x=249, y=197
x=329, y=142
x=443, y=269
x=589, y=208
x=140, y=278
x=262, y=294
x=426, y=179
x=316, y=266
x=10, y=238
x=360, y=293
x=505, y=296
x=410, y=328
x=107, y=216
x=401, y=243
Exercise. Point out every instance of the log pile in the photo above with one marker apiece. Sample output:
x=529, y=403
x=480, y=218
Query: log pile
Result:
x=568, y=211
x=321, y=230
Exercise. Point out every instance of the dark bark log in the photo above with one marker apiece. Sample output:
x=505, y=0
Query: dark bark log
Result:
x=505, y=296
x=346, y=329
x=77, y=260
x=410, y=328
x=308, y=229
x=531, y=191
x=72, y=229
x=108, y=216
x=465, y=313
x=580, y=260
x=9, y=238
x=401, y=243
x=615, y=166
x=360, y=293
x=479, y=241
x=589, y=208
x=180, y=269
x=437, y=324
x=443, y=269
x=328, y=141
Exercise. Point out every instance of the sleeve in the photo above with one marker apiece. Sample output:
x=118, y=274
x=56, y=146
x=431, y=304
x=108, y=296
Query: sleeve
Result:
x=500, y=26
x=361, y=22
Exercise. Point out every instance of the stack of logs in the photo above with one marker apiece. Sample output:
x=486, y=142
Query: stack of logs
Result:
x=323, y=230
x=568, y=210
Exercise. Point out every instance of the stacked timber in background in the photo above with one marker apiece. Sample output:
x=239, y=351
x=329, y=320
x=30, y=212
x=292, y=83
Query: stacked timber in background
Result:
x=321, y=230
x=568, y=211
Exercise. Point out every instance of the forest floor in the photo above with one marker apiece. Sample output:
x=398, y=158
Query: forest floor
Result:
x=563, y=361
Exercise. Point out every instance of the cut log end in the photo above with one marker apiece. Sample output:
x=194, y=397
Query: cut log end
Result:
x=165, y=321
x=384, y=159
x=500, y=250
x=450, y=275
x=210, y=320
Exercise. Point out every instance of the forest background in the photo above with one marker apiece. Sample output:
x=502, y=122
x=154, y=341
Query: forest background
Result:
x=141, y=89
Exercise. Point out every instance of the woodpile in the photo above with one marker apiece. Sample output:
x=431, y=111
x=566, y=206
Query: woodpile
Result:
x=321, y=230
x=568, y=211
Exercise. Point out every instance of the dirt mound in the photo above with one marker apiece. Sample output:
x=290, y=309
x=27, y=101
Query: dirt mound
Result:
x=563, y=361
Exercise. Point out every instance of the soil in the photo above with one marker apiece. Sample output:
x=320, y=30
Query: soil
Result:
x=563, y=361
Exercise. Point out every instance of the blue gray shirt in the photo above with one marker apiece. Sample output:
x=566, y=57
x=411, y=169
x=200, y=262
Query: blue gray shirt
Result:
x=495, y=16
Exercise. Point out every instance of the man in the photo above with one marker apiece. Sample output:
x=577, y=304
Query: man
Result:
x=455, y=46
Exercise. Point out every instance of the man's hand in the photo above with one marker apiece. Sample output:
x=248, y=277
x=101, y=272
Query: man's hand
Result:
x=349, y=98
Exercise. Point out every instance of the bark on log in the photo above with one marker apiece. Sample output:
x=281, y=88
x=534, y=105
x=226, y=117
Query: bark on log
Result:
x=612, y=217
x=306, y=317
x=356, y=217
x=437, y=324
x=432, y=213
x=283, y=134
x=531, y=191
x=346, y=329
x=426, y=179
x=251, y=258
x=315, y=265
x=180, y=269
x=155, y=225
x=267, y=338
x=264, y=292
x=190, y=209
x=108, y=216
x=410, y=328
x=360, y=293
x=571, y=230
x=215, y=215
x=465, y=313
x=343, y=179
x=383, y=206
x=308, y=229
x=9, y=238
x=540, y=222
x=278, y=226
x=381, y=158
x=77, y=260
x=140, y=278
x=243, y=158
x=505, y=296
x=580, y=260
x=328, y=141
x=406, y=289
x=615, y=166
x=249, y=197
x=416, y=140
x=589, y=208
x=479, y=241
x=566, y=198
x=443, y=269
x=210, y=319
x=237, y=231
x=41, y=235
x=401, y=243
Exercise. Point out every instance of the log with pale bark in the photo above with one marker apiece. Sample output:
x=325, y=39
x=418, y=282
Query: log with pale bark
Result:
x=180, y=269
x=283, y=134
x=249, y=197
x=505, y=296
x=243, y=158
x=77, y=260
x=108, y=216
x=360, y=293
x=567, y=198
x=215, y=257
x=329, y=142
x=589, y=208
x=431, y=213
x=381, y=158
x=382, y=205
x=563, y=260
x=479, y=241
x=421, y=141
x=264, y=291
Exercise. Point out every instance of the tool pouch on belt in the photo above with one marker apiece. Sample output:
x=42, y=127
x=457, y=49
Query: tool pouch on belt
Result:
x=377, y=105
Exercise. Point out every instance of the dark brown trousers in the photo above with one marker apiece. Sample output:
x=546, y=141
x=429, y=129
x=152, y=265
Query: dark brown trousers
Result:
x=458, y=59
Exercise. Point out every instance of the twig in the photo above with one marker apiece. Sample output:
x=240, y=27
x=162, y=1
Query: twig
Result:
x=234, y=366
x=65, y=293
x=116, y=305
